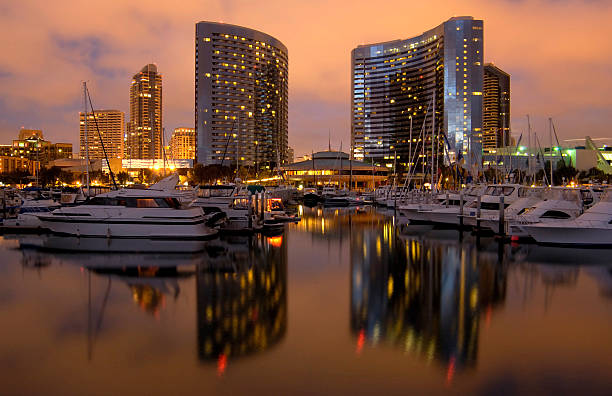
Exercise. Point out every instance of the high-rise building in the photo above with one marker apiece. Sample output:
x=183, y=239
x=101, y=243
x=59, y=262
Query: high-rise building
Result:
x=393, y=88
x=241, y=92
x=182, y=143
x=144, y=135
x=106, y=128
x=496, y=108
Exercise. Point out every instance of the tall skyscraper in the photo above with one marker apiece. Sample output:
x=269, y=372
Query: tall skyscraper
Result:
x=110, y=123
x=144, y=135
x=496, y=108
x=182, y=143
x=241, y=92
x=394, y=84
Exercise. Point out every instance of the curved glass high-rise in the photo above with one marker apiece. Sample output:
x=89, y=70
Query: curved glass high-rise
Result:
x=241, y=92
x=394, y=85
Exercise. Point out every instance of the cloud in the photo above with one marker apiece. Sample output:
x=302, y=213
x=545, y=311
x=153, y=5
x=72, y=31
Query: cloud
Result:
x=557, y=52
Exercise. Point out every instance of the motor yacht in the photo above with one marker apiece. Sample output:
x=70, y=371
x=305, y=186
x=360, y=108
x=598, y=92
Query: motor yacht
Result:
x=130, y=213
x=27, y=219
x=489, y=201
x=557, y=204
x=528, y=197
x=447, y=214
x=592, y=228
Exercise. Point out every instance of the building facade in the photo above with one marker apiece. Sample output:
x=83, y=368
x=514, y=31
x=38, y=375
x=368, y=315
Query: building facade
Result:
x=496, y=109
x=144, y=134
x=36, y=149
x=241, y=93
x=111, y=127
x=182, y=143
x=398, y=86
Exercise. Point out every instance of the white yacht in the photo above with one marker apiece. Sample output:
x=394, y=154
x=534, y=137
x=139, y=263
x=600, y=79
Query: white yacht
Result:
x=528, y=197
x=489, y=202
x=448, y=214
x=27, y=219
x=130, y=213
x=557, y=204
x=592, y=228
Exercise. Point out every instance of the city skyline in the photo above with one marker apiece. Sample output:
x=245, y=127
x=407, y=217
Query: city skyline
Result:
x=319, y=99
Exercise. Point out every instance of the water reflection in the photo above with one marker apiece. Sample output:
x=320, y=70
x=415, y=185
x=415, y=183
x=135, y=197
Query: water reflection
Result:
x=241, y=298
x=423, y=296
x=240, y=288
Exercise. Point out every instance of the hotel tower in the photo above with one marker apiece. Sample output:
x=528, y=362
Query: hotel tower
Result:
x=241, y=92
x=144, y=134
x=396, y=84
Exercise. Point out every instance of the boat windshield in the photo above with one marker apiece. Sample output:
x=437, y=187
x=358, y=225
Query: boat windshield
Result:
x=215, y=191
x=132, y=202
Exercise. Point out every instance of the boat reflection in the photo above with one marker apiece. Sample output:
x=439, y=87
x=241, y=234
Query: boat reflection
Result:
x=241, y=298
x=424, y=296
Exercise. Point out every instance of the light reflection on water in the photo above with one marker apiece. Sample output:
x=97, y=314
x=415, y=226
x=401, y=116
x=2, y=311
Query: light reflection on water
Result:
x=343, y=291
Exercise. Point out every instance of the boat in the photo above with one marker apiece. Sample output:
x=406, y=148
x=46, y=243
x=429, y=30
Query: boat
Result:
x=592, y=228
x=27, y=219
x=557, y=204
x=130, y=213
x=490, y=201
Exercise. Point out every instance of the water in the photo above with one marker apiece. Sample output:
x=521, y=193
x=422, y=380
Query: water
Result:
x=343, y=303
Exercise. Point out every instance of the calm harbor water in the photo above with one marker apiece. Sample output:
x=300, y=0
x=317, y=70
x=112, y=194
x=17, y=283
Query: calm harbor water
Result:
x=344, y=302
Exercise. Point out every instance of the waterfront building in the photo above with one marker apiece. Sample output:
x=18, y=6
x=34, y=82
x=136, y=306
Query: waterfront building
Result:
x=144, y=134
x=394, y=85
x=241, y=92
x=10, y=164
x=496, y=109
x=36, y=149
x=106, y=128
x=182, y=143
x=335, y=167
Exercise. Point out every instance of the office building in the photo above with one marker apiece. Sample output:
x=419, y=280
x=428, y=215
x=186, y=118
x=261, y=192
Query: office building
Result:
x=144, y=135
x=31, y=145
x=182, y=143
x=105, y=130
x=241, y=92
x=496, y=109
x=394, y=85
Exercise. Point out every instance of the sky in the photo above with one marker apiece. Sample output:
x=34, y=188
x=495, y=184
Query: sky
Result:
x=558, y=52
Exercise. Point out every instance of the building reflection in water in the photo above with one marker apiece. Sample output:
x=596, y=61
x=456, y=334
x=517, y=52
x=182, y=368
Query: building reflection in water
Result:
x=424, y=296
x=241, y=297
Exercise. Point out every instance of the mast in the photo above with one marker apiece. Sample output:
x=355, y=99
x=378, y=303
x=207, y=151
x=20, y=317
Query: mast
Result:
x=163, y=149
x=529, y=149
x=410, y=149
x=433, y=132
x=86, y=137
x=551, y=151
x=351, y=169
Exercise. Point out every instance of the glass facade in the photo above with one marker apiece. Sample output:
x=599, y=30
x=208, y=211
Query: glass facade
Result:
x=241, y=96
x=496, y=109
x=398, y=86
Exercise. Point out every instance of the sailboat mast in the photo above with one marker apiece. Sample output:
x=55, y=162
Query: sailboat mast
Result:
x=529, y=149
x=551, y=151
x=86, y=137
x=433, y=132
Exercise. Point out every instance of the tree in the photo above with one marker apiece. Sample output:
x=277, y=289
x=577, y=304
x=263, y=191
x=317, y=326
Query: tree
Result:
x=49, y=176
x=564, y=173
x=123, y=177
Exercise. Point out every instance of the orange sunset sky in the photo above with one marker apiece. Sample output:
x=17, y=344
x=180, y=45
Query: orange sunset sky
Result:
x=559, y=54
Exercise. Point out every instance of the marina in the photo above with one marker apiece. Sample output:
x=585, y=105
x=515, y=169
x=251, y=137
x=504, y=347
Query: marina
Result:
x=344, y=293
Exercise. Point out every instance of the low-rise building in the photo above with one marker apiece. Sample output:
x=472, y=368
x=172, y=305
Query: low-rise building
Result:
x=335, y=167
